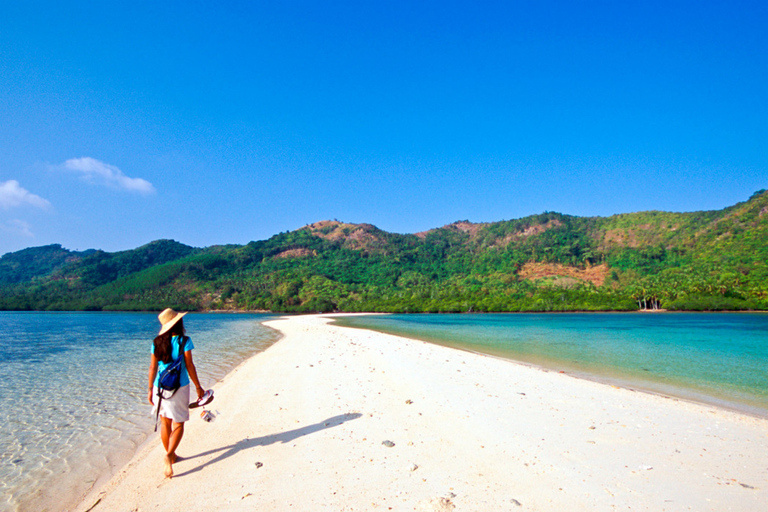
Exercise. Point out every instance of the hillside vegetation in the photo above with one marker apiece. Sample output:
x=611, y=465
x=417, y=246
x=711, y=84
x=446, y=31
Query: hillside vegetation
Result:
x=710, y=260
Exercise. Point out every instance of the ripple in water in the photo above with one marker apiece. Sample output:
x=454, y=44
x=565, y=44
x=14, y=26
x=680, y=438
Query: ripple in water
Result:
x=73, y=393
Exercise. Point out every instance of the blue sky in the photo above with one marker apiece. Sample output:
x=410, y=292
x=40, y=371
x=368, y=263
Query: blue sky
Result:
x=226, y=122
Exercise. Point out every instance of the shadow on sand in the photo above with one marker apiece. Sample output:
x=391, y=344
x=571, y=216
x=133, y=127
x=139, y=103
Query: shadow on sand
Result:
x=283, y=437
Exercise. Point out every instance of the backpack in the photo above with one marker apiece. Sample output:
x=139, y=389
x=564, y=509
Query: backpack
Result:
x=170, y=379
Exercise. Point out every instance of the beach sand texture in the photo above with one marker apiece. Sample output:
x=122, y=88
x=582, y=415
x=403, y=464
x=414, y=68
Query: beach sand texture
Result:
x=339, y=419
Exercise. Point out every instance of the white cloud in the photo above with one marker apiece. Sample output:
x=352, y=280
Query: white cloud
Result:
x=97, y=172
x=17, y=227
x=12, y=195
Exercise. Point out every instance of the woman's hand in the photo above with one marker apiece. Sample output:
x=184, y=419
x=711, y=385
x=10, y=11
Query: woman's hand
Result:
x=200, y=392
x=149, y=397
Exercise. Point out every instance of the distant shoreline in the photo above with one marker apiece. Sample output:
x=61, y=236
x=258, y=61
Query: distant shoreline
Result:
x=304, y=313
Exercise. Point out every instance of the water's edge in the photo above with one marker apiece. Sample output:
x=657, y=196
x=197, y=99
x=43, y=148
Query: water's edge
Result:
x=108, y=430
x=148, y=442
x=677, y=393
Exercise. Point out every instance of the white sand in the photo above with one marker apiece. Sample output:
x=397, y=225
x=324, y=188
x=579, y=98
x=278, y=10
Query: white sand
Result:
x=470, y=432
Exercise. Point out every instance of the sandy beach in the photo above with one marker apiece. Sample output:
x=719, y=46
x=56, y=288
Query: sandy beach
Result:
x=339, y=419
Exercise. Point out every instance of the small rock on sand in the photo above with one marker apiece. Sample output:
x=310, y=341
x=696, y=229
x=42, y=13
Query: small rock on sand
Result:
x=388, y=443
x=436, y=505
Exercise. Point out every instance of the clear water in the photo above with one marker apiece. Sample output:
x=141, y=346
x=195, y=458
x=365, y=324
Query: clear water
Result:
x=73, y=393
x=716, y=358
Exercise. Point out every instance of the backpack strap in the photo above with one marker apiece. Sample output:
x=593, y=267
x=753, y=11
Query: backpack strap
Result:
x=157, y=413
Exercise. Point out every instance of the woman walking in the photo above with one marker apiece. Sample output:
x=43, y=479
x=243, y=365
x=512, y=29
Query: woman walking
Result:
x=174, y=411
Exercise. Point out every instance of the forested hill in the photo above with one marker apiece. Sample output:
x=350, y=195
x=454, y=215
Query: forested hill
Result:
x=548, y=262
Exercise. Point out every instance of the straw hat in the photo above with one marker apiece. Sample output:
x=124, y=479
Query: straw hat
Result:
x=169, y=318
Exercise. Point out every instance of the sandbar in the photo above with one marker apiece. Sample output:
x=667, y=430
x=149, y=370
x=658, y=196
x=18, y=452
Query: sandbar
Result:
x=340, y=419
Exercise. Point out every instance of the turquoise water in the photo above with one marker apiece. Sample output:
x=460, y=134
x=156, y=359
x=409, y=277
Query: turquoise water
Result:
x=73, y=393
x=716, y=358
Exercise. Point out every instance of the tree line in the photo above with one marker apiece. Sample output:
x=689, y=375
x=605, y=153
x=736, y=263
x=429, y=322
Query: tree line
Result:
x=650, y=260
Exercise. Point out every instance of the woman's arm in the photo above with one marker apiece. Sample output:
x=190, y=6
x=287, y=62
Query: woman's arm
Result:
x=152, y=374
x=192, y=371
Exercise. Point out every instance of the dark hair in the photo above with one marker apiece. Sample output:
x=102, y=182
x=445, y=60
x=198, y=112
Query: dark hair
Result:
x=163, y=347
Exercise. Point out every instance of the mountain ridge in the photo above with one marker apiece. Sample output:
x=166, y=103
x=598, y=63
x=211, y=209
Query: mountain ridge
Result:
x=543, y=262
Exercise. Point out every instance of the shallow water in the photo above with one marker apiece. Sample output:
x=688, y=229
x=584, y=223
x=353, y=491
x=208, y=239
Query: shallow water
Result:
x=73, y=393
x=716, y=358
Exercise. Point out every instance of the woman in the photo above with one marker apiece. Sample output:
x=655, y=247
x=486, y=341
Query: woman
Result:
x=174, y=411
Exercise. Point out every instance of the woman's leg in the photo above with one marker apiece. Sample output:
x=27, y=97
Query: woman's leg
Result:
x=170, y=434
x=177, y=433
x=165, y=431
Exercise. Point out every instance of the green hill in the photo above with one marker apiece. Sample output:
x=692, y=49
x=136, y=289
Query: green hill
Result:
x=35, y=262
x=710, y=260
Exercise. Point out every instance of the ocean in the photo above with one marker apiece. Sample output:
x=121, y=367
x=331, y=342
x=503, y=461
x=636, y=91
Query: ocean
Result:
x=715, y=358
x=73, y=393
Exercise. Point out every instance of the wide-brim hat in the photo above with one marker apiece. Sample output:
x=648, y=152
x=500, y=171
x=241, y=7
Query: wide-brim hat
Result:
x=168, y=319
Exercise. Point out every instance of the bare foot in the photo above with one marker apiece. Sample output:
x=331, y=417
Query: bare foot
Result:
x=176, y=458
x=168, y=466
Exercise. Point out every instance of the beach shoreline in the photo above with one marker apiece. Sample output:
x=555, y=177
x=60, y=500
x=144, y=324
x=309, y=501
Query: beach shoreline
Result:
x=606, y=375
x=308, y=423
x=674, y=393
x=61, y=444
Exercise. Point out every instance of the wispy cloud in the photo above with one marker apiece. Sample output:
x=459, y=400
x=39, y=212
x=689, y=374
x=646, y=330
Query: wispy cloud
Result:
x=17, y=227
x=12, y=195
x=98, y=172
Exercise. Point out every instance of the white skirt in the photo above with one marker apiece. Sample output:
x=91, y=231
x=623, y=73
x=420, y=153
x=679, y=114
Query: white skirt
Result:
x=176, y=408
